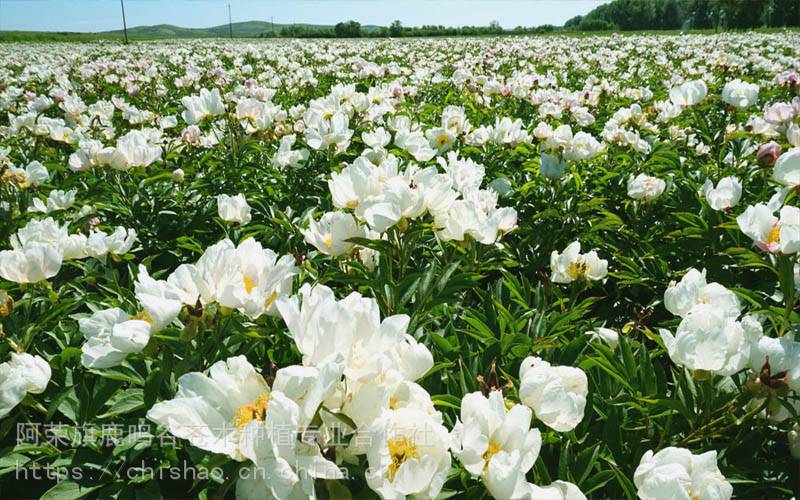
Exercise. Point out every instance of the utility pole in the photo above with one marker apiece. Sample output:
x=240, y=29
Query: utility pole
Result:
x=230, y=23
x=124, y=23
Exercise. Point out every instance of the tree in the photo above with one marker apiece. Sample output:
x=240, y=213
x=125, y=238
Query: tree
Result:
x=350, y=29
x=671, y=19
x=700, y=14
x=573, y=22
x=396, y=29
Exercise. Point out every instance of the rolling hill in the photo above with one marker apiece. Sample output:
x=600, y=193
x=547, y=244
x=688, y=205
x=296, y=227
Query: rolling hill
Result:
x=244, y=29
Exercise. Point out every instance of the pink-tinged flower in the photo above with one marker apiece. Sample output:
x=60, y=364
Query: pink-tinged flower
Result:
x=790, y=78
x=768, y=153
x=770, y=233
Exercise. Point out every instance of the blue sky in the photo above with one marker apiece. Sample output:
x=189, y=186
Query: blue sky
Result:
x=102, y=15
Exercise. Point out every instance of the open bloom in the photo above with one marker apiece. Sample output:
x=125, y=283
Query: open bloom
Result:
x=256, y=278
x=688, y=93
x=110, y=336
x=678, y=474
x=56, y=200
x=233, y=208
x=331, y=233
x=30, y=264
x=409, y=455
x=770, y=233
x=49, y=232
x=557, y=490
x=134, y=150
x=380, y=357
x=787, y=168
x=573, y=265
x=32, y=175
x=248, y=278
x=740, y=94
x=725, y=195
x=645, y=188
x=606, y=335
x=233, y=411
x=120, y=242
x=24, y=374
x=557, y=394
x=198, y=107
x=783, y=355
x=495, y=443
x=708, y=340
x=681, y=297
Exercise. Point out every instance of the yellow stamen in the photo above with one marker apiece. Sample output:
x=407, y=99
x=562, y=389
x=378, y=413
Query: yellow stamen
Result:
x=270, y=300
x=328, y=241
x=774, y=234
x=401, y=450
x=578, y=269
x=257, y=411
x=491, y=451
x=442, y=140
x=143, y=316
x=392, y=403
x=248, y=284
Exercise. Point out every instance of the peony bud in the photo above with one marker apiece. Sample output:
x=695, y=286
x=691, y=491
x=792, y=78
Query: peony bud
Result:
x=178, y=175
x=768, y=154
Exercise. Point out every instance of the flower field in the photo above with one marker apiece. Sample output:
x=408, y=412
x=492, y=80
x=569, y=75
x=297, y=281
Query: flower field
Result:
x=519, y=268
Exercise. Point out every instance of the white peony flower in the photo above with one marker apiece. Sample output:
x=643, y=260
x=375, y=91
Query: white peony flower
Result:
x=726, y=195
x=740, y=94
x=572, y=265
x=133, y=150
x=233, y=208
x=232, y=411
x=33, y=263
x=198, y=107
x=557, y=394
x=606, y=335
x=557, y=490
x=379, y=356
x=688, y=93
x=329, y=235
x=120, y=242
x=495, y=443
x=56, y=200
x=408, y=456
x=645, y=188
x=770, y=233
x=787, y=168
x=681, y=297
x=678, y=474
x=24, y=374
x=111, y=335
x=783, y=355
x=255, y=279
x=709, y=340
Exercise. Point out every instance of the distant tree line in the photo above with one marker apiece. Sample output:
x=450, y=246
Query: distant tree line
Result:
x=353, y=29
x=626, y=15
x=622, y=15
